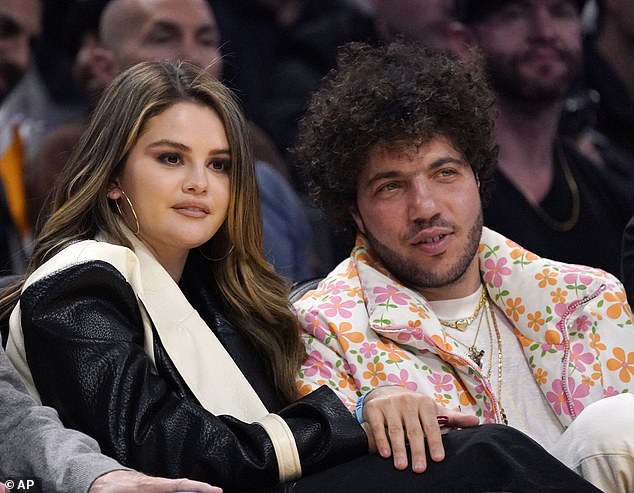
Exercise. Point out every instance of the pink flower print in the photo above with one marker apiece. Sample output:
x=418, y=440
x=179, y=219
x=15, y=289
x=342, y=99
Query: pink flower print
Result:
x=610, y=391
x=368, y=349
x=577, y=279
x=337, y=287
x=578, y=357
x=583, y=323
x=441, y=383
x=337, y=307
x=314, y=325
x=558, y=397
x=495, y=271
x=390, y=292
x=402, y=380
x=488, y=414
x=560, y=309
x=315, y=364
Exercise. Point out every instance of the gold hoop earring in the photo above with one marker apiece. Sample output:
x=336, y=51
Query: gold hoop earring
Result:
x=136, y=219
x=217, y=259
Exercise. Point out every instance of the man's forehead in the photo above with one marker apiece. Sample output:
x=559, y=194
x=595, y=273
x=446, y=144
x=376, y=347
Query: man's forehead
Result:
x=27, y=14
x=175, y=12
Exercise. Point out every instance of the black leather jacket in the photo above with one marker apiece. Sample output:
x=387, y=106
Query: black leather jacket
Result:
x=83, y=338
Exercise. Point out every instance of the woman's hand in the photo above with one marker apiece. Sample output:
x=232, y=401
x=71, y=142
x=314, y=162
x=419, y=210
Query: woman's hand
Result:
x=395, y=415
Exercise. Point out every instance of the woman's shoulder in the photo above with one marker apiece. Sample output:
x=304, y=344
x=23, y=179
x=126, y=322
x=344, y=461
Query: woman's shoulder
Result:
x=88, y=253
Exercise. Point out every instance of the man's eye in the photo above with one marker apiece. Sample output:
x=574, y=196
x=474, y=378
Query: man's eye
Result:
x=388, y=187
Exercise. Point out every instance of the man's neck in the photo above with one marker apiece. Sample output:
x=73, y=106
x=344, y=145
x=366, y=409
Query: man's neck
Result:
x=618, y=51
x=526, y=136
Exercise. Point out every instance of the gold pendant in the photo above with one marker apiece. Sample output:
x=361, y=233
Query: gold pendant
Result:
x=476, y=355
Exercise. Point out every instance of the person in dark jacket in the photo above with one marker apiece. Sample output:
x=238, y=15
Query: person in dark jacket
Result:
x=151, y=321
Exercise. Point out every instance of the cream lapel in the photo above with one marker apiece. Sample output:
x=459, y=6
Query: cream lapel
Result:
x=200, y=358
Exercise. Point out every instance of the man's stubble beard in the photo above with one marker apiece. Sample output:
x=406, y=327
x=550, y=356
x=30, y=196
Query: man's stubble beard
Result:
x=412, y=274
x=508, y=81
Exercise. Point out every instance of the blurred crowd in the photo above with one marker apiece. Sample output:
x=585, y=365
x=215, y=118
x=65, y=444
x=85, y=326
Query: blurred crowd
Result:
x=566, y=154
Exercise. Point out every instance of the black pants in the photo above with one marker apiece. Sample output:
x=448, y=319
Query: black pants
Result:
x=488, y=458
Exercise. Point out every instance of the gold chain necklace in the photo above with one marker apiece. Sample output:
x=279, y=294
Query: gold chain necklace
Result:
x=499, y=341
x=473, y=352
x=568, y=224
x=462, y=323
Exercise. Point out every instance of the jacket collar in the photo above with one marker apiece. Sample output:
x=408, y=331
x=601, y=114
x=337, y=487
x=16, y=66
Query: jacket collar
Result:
x=536, y=294
x=196, y=352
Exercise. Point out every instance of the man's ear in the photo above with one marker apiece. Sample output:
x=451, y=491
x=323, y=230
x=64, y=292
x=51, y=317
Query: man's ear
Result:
x=104, y=65
x=354, y=212
x=460, y=38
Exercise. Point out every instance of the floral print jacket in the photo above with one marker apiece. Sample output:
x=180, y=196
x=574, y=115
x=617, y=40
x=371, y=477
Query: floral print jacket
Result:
x=364, y=329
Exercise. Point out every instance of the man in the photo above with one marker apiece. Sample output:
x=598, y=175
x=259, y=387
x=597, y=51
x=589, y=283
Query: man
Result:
x=432, y=308
x=609, y=69
x=19, y=27
x=548, y=197
x=36, y=446
x=425, y=22
x=131, y=31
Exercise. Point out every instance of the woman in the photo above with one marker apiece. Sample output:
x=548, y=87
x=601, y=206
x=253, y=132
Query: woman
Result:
x=154, y=239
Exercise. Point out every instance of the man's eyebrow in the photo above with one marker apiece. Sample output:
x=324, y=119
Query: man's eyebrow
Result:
x=432, y=166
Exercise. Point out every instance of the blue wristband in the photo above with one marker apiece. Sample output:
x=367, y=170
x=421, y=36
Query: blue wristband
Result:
x=359, y=408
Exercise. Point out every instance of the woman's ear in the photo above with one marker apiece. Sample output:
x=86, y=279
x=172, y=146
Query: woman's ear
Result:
x=114, y=190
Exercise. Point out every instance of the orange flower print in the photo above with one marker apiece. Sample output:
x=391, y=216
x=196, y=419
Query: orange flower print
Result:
x=355, y=292
x=514, y=308
x=546, y=277
x=442, y=343
x=441, y=400
x=346, y=381
x=597, y=371
x=375, y=373
x=465, y=398
x=553, y=337
x=541, y=376
x=518, y=253
x=587, y=380
x=535, y=320
x=303, y=388
x=596, y=344
x=559, y=295
x=344, y=334
x=619, y=304
x=418, y=310
x=625, y=363
x=394, y=353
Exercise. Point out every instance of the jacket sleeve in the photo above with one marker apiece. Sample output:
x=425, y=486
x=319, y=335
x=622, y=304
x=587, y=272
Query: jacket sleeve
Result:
x=35, y=444
x=84, y=344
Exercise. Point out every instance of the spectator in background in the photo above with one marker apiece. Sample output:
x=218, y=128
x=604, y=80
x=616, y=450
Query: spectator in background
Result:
x=548, y=197
x=19, y=28
x=425, y=22
x=138, y=30
x=609, y=69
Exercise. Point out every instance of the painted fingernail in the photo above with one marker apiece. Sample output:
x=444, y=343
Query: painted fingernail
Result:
x=442, y=420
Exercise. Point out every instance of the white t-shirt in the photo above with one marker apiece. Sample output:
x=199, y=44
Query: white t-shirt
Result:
x=525, y=405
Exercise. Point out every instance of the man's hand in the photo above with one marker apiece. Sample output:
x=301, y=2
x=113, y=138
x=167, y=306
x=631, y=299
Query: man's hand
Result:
x=132, y=481
x=408, y=416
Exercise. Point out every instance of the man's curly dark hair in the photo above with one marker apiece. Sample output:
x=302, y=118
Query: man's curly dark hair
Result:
x=394, y=96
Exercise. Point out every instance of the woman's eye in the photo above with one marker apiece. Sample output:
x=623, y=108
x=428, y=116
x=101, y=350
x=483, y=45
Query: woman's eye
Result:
x=219, y=164
x=170, y=158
